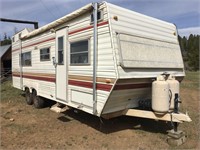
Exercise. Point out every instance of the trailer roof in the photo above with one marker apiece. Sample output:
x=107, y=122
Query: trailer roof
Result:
x=59, y=21
x=80, y=11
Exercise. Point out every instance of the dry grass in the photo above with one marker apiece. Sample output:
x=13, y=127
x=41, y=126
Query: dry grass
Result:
x=10, y=94
x=191, y=103
x=191, y=80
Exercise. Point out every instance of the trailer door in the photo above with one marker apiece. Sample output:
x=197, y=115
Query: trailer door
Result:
x=62, y=63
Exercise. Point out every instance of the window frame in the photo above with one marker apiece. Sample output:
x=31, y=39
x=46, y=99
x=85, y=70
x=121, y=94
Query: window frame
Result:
x=19, y=35
x=22, y=61
x=98, y=20
x=43, y=60
x=89, y=59
x=13, y=39
x=62, y=50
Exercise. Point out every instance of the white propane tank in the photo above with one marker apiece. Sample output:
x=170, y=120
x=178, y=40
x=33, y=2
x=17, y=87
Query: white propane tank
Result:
x=160, y=96
x=174, y=88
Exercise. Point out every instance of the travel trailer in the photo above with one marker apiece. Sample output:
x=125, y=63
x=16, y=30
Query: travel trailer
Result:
x=105, y=60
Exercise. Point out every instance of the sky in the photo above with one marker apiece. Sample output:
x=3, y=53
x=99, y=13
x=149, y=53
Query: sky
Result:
x=184, y=13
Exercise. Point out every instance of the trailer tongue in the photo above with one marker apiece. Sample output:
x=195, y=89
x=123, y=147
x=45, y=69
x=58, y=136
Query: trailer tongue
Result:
x=164, y=106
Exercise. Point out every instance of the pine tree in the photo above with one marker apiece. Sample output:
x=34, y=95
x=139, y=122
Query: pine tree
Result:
x=193, y=52
x=190, y=51
x=5, y=36
x=6, y=40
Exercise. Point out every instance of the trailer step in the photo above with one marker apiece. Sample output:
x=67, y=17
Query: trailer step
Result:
x=59, y=108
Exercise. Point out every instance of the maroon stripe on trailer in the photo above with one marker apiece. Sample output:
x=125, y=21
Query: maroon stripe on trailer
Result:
x=15, y=75
x=36, y=78
x=72, y=32
x=35, y=43
x=103, y=87
x=15, y=49
x=132, y=86
x=86, y=28
x=40, y=42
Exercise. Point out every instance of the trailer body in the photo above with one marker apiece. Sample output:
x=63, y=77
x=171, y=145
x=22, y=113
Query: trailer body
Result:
x=57, y=59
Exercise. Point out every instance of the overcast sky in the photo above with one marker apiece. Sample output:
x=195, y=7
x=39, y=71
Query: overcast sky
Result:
x=184, y=13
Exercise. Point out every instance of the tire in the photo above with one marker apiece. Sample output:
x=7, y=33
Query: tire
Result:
x=28, y=97
x=38, y=101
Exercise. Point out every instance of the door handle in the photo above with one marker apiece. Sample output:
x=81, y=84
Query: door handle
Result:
x=54, y=61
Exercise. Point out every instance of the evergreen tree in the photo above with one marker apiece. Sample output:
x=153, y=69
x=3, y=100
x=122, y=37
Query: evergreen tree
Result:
x=190, y=51
x=6, y=40
x=193, y=52
x=5, y=36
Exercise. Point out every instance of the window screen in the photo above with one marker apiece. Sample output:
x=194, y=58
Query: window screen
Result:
x=79, y=52
x=26, y=59
x=60, y=50
x=45, y=54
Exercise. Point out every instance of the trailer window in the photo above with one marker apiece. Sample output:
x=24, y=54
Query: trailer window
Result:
x=146, y=52
x=79, y=52
x=45, y=54
x=20, y=35
x=60, y=51
x=26, y=59
x=99, y=16
x=13, y=39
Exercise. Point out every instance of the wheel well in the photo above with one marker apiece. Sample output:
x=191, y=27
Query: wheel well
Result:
x=26, y=88
x=34, y=91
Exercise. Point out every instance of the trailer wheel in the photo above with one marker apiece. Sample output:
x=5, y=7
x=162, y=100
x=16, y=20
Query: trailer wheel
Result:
x=28, y=97
x=38, y=101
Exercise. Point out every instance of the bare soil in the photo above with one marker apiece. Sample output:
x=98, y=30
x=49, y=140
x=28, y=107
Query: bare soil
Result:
x=24, y=127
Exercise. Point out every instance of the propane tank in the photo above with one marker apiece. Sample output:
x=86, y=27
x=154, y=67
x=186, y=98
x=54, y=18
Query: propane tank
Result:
x=160, y=96
x=174, y=88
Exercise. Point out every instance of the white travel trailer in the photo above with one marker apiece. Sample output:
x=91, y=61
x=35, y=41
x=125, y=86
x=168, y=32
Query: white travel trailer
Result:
x=102, y=59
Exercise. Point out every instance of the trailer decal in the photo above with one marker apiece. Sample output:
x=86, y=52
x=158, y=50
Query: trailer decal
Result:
x=86, y=28
x=70, y=33
x=47, y=40
x=132, y=86
x=100, y=86
x=49, y=79
x=88, y=78
x=103, y=87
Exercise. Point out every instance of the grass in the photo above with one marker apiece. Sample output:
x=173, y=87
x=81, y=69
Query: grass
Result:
x=9, y=93
x=17, y=127
x=191, y=80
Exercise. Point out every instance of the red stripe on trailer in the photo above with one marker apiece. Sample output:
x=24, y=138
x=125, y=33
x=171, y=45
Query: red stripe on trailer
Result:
x=72, y=32
x=15, y=49
x=86, y=28
x=36, y=78
x=132, y=86
x=103, y=87
x=35, y=43
x=40, y=42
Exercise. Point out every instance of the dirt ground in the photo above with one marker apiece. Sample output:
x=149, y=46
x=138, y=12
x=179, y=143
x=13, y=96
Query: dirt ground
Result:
x=24, y=127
